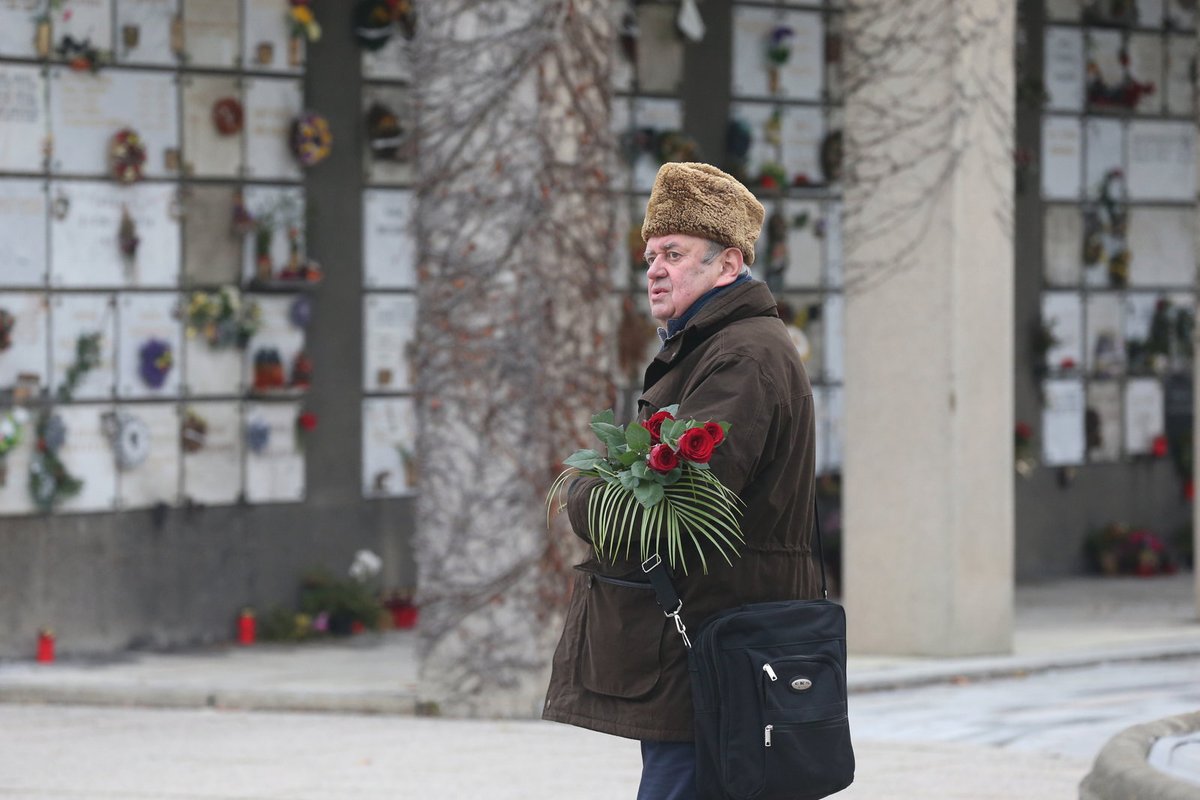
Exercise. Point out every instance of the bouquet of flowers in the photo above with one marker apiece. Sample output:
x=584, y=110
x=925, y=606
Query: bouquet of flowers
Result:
x=657, y=485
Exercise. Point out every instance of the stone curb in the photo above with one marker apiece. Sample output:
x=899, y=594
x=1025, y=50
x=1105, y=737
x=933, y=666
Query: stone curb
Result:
x=1121, y=771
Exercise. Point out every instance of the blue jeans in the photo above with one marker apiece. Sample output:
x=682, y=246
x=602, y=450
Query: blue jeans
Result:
x=668, y=771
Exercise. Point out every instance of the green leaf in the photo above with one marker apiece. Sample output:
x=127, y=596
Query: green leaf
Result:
x=697, y=465
x=612, y=436
x=637, y=437
x=724, y=426
x=629, y=458
x=671, y=409
x=605, y=416
x=639, y=468
x=628, y=480
x=672, y=477
x=648, y=494
x=583, y=459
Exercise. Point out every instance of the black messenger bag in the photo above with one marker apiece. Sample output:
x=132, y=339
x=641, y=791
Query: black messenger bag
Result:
x=769, y=695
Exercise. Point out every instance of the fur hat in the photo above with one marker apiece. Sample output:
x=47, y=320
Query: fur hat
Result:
x=701, y=200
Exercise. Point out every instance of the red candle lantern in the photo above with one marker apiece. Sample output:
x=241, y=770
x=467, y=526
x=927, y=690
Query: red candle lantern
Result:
x=45, y=646
x=247, y=628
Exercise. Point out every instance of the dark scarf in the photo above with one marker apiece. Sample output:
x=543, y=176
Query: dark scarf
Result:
x=674, y=326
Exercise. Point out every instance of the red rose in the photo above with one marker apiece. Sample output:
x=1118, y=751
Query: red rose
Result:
x=1159, y=448
x=662, y=458
x=655, y=423
x=307, y=421
x=715, y=431
x=696, y=445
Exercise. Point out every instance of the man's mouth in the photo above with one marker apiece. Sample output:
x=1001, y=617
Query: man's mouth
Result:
x=658, y=292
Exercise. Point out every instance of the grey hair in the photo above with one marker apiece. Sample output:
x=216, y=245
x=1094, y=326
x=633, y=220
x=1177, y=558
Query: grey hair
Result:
x=715, y=249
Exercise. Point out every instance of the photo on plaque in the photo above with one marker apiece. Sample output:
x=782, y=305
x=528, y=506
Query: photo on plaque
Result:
x=144, y=32
x=1062, y=158
x=1063, y=423
x=804, y=259
x=87, y=454
x=82, y=324
x=24, y=120
x=146, y=451
x=271, y=105
x=1064, y=69
x=211, y=436
x=268, y=43
x=103, y=235
x=389, y=329
x=274, y=457
x=149, y=340
x=1062, y=238
x=23, y=225
x=389, y=250
x=389, y=447
x=211, y=33
x=24, y=339
x=90, y=115
x=389, y=119
x=213, y=126
x=212, y=248
x=1103, y=423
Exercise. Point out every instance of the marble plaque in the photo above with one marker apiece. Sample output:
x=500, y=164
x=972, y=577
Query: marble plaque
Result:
x=1064, y=70
x=23, y=223
x=1104, y=50
x=393, y=61
x=1149, y=12
x=1105, y=151
x=211, y=32
x=24, y=122
x=267, y=24
x=155, y=480
x=14, y=493
x=1062, y=312
x=804, y=246
x=803, y=130
x=276, y=332
x=142, y=318
x=1180, y=81
x=212, y=252
x=798, y=79
x=1104, y=399
x=30, y=335
x=1062, y=162
x=213, y=474
x=1162, y=160
x=17, y=33
x=210, y=371
x=1163, y=246
x=86, y=110
x=389, y=447
x=659, y=115
x=1180, y=15
x=833, y=427
x=1063, y=10
x=86, y=20
x=389, y=322
x=78, y=314
x=144, y=31
x=386, y=166
x=1146, y=63
x=1062, y=244
x=1144, y=419
x=802, y=313
x=1105, y=334
x=660, y=49
x=832, y=239
x=832, y=317
x=283, y=207
x=1063, y=417
x=85, y=224
x=207, y=153
x=757, y=117
x=277, y=473
x=88, y=455
x=1139, y=311
x=389, y=251
x=271, y=105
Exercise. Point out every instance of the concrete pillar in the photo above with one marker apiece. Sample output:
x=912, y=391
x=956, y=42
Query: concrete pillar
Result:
x=928, y=475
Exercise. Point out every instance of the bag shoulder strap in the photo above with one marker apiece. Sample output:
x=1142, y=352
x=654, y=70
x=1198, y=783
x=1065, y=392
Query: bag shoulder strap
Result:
x=668, y=598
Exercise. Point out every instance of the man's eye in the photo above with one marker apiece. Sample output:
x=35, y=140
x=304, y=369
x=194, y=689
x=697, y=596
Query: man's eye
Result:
x=674, y=255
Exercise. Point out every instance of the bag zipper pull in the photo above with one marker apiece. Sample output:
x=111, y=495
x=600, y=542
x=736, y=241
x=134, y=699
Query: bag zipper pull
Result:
x=767, y=735
x=770, y=672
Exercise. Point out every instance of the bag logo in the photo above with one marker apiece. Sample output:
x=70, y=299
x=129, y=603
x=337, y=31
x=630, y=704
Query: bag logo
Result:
x=801, y=684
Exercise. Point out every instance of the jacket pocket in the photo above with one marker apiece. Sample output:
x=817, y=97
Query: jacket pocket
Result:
x=623, y=635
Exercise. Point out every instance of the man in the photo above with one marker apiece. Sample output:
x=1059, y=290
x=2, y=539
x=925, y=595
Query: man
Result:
x=620, y=667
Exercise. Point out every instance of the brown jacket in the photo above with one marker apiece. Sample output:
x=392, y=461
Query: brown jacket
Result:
x=620, y=666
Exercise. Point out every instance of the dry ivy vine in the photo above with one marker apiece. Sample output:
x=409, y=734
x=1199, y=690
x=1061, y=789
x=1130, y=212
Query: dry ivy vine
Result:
x=514, y=233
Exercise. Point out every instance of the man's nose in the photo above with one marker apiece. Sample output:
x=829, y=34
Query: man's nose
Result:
x=655, y=271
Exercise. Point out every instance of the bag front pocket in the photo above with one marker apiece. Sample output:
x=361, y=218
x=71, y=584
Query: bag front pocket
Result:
x=806, y=688
x=806, y=761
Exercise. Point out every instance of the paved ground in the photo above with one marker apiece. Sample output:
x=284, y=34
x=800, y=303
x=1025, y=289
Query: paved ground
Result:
x=1031, y=738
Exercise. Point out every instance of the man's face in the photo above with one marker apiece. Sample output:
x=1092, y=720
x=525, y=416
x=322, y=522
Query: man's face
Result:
x=676, y=275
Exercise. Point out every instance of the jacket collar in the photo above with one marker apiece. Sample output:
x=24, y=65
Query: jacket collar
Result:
x=742, y=300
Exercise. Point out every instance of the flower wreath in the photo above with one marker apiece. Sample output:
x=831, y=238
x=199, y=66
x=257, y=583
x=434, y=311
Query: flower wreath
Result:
x=156, y=360
x=375, y=21
x=227, y=116
x=129, y=437
x=312, y=141
x=126, y=156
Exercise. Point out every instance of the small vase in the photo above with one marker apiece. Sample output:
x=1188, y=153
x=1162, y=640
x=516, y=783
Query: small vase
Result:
x=42, y=39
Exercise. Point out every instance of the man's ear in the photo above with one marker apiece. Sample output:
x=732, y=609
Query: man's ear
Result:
x=731, y=266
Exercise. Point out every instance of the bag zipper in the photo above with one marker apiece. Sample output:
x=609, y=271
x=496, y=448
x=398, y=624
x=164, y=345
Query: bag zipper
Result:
x=767, y=735
x=770, y=672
